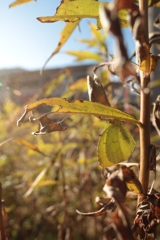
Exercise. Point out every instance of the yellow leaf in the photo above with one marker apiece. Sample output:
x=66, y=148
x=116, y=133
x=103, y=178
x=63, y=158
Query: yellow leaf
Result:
x=54, y=83
x=153, y=64
x=80, y=85
x=131, y=180
x=28, y=145
x=116, y=144
x=71, y=11
x=65, y=34
x=46, y=183
x=97, y=33
x=18, y=2
x=85, y=55
x=122, y=15
x=80, y=107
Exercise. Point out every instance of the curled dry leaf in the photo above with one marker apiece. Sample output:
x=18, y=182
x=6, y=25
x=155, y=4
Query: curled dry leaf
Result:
x=157, y=22
x=131, y=180
x=116, y=188
x=129, y=177
x=148, y=214
x=46, y=125
x=137, y=24
x=121, y=225
x=96, y=91
x=155, y=117
x=122, y=66
x=152, y=164
x=104, y=210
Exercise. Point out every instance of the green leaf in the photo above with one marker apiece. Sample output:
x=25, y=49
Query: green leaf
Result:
x=80, y=107
x=71, y=11
x=18, y=2
x=116, y=144
x=65, y=34
x=85, y=55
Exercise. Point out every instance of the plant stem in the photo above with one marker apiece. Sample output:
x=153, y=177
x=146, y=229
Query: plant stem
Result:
x=144, y=135
x=145, y=108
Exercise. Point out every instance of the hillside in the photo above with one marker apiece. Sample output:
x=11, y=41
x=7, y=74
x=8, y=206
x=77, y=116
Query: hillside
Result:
x=21, y=85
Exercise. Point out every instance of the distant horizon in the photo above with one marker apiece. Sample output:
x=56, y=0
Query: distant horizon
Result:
x=50, y=68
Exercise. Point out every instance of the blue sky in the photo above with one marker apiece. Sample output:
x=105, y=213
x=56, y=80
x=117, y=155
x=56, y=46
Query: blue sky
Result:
x=27, y=43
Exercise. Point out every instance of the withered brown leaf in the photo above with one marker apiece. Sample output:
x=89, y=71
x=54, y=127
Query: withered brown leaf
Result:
x=46, y=125
x=96, y=91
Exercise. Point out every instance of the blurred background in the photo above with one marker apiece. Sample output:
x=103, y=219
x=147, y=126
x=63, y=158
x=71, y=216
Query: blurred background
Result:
x=46, y=178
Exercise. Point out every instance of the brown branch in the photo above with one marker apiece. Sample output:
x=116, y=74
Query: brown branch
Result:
x=145, y=107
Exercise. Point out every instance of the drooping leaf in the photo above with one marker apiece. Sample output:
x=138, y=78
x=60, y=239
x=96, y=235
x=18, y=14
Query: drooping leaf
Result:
x=24, y=143
x=120, y=221
x=28, y=145
x=18, y=2
x=85, y=55
x=116, y=188
x=97, y=33
x=116, y=144
x=80, y=107
x=65, y=34
x=71, y=11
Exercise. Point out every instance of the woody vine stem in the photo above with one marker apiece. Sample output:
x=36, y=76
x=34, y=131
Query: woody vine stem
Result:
x=144, y=103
